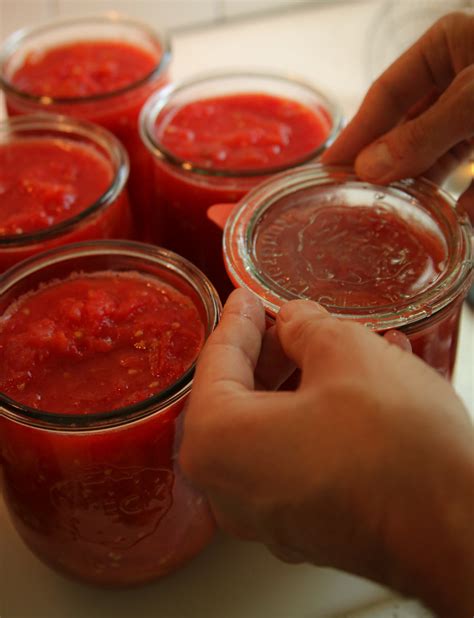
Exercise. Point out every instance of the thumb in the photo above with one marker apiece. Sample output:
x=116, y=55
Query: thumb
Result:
x=415, y=146
x=318, y=343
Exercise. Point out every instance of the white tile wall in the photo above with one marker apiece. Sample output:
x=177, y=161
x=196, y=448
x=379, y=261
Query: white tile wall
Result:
x=162, y=14
x=15, y=14
x=238, y=8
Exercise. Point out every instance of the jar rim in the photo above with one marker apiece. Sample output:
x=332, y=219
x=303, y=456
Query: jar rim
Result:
x=242, y=269
x=65, y=127
x=158, y=102
x=18, y=37
x=162, y=258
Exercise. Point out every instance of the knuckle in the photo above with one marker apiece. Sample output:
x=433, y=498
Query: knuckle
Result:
x=304, y=331
x=331, y=337
x=463, y=84
x=450, y=22
x=446, y=22
x=466, y=75
x=339, y=341
x=382, y=90
x=412, y=138
x=462, y=103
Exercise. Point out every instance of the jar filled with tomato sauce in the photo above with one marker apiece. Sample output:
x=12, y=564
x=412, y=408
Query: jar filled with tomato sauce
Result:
x=61, y=181
x=100, y=69
x=98, y=343
x=216, y=137
x=390, y=257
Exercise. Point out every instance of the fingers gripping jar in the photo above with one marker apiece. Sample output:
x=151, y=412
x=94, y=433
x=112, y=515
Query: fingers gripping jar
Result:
x=390, y=257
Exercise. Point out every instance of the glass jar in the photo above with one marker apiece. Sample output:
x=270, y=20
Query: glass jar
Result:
x=116, y=109
x=184, y=189
x=107, y=217
x=274, y=247
x=100, y=496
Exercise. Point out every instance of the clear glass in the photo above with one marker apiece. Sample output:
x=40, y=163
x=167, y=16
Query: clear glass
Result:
x=184, y=192
x=100, y=497
x=108, y=217
x=429, y=318
x=117, y=110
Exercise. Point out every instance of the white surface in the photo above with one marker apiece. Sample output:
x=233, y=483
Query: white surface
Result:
x=327, y=45
x=229, y=580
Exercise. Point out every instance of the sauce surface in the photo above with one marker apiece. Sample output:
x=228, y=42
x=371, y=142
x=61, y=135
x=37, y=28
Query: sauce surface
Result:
x=83, y=69
x=94, y=343
x=251, y=131
x=357, y=256
x=44, y=181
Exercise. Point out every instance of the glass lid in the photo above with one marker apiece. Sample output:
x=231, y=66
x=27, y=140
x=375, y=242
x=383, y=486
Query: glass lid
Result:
x=373, y=253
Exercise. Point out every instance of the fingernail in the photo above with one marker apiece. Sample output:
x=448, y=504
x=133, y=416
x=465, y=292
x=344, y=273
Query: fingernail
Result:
x=284, y=314
x=375, y=162
x=395, y=337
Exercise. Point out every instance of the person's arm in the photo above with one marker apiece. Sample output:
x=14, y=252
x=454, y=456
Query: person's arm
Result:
x=431, y=543
x=367, y=467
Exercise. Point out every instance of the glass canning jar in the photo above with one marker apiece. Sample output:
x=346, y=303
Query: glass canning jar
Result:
x=255, y=115
x=100, y=496
x=115, y=107
x=390, y=257
x=108, y=216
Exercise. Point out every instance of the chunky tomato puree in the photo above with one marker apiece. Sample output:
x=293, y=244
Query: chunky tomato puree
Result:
x=361, y=259
x=342, y=256
x=44, y=181
x=104, y=502
x=103, y=81
x=83, y=69
x=97, y=342
x=251, y=131
x=248, y=133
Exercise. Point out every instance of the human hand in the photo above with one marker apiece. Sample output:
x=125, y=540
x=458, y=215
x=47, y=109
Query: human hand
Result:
x=364, y=467
x=417, y=118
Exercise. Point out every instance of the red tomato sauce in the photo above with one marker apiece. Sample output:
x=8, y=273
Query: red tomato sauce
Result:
x=342, y=256
x=108, y=506
x=254, y=131
x=362, y=258
x=45, y=181
x=82, y=72
x=83, y=69
x=109, y=340
x=243, y=132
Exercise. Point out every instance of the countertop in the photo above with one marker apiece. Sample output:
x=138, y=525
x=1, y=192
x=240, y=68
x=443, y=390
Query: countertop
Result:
x=337, y=46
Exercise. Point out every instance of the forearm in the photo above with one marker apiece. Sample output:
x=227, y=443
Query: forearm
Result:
x=433, y=543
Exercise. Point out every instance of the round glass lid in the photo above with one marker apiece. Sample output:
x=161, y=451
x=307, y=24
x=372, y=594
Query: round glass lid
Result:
x=356, y=248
